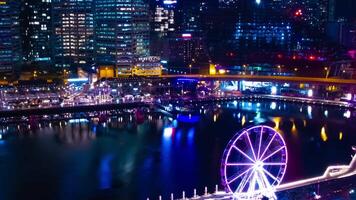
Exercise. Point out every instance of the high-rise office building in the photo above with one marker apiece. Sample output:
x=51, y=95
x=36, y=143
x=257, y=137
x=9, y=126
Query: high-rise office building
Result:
x=73, y=23
x=163, y=25
x=313, y=13
x=261, y=26
x=164, y=17
x=187, y=49
x=122, y=31
x=10, y=38
x=36, y=25
x=189, y=18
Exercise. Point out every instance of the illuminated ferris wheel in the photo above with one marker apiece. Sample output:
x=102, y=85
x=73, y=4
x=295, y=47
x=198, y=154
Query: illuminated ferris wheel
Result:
x=254, y=163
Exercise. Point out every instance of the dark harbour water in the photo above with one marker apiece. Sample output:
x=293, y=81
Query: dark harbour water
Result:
x=125, y=160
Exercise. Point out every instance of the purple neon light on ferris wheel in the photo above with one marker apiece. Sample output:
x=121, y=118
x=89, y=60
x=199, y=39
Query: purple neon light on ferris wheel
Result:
x=254, y=161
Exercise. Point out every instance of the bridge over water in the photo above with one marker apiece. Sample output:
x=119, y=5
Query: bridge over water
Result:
x=280, y=79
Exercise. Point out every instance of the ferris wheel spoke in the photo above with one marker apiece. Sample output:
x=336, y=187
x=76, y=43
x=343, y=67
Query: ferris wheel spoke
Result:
x=269, y=143
x=272, y=154
x=238, y=176
x=249, y=141
x=274, y=164
x=248, y=157
x=239, y=164
x=270, y=175
x=260, y=143
x=245, y=181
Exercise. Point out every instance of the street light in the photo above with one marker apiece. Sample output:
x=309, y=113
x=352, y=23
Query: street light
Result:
x=327, y=71
x=245, y=68
x=279, y=69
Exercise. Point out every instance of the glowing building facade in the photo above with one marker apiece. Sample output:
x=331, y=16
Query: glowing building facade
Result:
x=121, y=32
x=260, y=25
x=73, y=33
x=10, y=43
x=37, y=30
x=164, y=17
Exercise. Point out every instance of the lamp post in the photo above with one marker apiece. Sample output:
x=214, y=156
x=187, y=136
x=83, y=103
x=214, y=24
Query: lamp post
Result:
x=279, y=69
x=327, y=71
x=245, y=68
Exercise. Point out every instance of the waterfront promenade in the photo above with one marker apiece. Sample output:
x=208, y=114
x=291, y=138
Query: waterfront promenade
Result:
x=152, y=104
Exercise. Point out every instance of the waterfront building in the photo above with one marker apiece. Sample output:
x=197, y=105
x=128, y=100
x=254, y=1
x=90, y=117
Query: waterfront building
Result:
x=121, y=33
x=73, y=23
x=148, y=66
x=10, y=38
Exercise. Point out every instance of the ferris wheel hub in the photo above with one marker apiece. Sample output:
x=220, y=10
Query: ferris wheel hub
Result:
x=258, y=165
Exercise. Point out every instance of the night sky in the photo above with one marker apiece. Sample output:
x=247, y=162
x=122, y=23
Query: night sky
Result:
x=346, y=8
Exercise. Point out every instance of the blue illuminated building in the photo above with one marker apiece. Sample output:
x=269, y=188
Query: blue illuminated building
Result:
x=261, y=26
x=10, y=43
x=121, y=32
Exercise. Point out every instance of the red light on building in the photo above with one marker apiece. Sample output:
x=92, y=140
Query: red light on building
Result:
x=298, y=13
x=312, y=57
x=280, y=56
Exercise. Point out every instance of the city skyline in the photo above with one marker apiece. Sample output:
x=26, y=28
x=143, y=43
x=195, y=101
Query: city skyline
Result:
x=49, y=35
x=177, y=99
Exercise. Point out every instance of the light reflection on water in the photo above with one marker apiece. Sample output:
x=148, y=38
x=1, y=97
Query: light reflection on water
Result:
x=125, y=160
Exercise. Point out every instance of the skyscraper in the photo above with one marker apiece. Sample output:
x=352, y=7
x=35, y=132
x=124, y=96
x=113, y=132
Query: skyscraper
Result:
x=36, y=25
x=313, y=13
x=121, y=32
x=260, y=25
x=10, y=42
x=164, y=17
x=163, y=25
x=73, y=23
